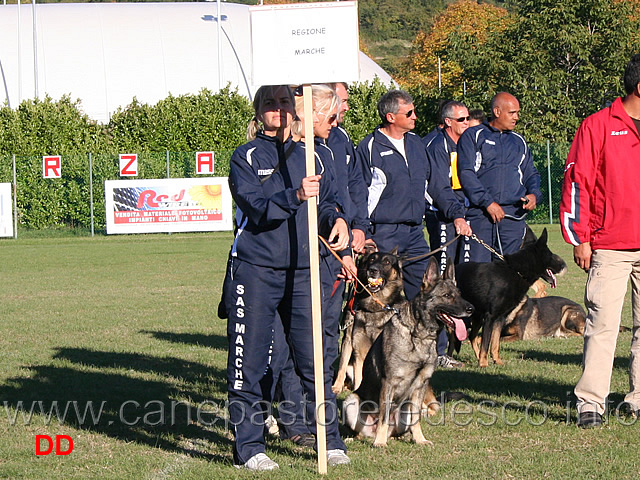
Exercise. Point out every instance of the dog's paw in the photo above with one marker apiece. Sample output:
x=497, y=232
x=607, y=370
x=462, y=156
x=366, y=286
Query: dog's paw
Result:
x=498, y=361
x=426, y=443
x=379, y=444
x=430, y=410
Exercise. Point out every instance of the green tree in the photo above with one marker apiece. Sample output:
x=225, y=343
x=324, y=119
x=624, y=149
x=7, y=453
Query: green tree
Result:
x=420, y=69
x=40, y=127
x=207, y=121
x=563, y=59
x=363, y=117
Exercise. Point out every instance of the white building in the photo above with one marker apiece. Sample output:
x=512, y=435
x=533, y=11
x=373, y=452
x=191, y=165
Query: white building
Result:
x=106, y=53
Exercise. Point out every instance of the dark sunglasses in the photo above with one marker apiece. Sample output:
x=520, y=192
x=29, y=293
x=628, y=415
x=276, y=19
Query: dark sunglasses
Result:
x=461, y=119
x=330, y=119
x=408, y=114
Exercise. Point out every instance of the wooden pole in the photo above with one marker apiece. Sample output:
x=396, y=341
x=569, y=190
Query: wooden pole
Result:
x=316, y=306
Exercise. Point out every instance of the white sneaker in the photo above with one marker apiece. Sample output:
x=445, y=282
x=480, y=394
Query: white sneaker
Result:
x=445, y=361
x=337, y=457
x=259, y=462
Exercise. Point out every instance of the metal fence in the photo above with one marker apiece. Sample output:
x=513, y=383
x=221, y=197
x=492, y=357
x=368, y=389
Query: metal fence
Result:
x=549, y=159
x=77, y=198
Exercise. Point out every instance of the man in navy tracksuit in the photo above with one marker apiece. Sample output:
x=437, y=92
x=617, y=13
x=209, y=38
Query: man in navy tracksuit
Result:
x=394, y=165
x=499, y=178
x=396, y=171
x=352, y=191
x=443, y=226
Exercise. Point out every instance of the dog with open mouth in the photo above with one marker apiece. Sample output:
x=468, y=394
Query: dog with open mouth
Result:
x=398, y=368
x=382, y=274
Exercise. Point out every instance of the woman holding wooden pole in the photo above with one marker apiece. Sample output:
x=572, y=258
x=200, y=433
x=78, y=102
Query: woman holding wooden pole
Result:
x=268, y=274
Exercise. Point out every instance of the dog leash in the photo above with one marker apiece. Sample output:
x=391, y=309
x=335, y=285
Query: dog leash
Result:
x=344, y=265
x=432, y=252
x=487, y=246
x=351, y=298
x=508, y=217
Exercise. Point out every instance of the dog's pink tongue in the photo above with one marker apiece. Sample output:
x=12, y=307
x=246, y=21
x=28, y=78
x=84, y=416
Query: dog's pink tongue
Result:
x=461, y=329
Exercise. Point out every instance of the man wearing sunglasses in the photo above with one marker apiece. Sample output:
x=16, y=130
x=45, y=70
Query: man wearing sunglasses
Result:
x=395, y=169
x=499, y=179
x=447, y=221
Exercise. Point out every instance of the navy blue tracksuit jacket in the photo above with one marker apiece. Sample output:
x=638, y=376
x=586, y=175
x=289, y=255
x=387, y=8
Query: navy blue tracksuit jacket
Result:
x=495, y=166
x=268, y=282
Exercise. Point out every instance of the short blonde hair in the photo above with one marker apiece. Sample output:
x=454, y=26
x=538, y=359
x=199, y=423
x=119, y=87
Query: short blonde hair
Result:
x=325, y=100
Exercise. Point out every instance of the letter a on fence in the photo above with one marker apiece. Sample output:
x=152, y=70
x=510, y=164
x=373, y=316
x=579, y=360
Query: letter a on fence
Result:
x=204, y=163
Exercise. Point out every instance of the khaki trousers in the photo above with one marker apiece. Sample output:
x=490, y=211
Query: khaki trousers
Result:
x=604, y=298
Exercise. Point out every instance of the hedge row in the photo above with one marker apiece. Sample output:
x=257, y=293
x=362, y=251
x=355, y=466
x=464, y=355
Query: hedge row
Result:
x=169, y=132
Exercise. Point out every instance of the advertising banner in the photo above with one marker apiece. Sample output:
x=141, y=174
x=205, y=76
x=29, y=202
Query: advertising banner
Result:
x=6, y=211
x=168, y=205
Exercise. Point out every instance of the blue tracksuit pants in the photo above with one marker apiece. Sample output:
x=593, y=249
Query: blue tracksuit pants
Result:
x=411, y=243
x=255, y=297
x=505, y=237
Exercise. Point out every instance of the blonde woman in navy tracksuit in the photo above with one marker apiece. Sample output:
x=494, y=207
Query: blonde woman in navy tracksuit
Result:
x=268, y=277
x=296, y=427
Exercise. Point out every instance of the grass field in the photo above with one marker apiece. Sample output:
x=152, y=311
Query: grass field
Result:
x=122, y=332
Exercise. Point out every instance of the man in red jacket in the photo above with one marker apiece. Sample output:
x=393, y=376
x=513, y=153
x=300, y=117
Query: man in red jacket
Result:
x=600, y=218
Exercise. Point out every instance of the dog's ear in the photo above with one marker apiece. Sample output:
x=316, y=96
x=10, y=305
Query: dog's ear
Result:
x=401, y=258
x=431, y=275
x=529, y=237
x=370, y=248
x=543, y=238
x=450, y=271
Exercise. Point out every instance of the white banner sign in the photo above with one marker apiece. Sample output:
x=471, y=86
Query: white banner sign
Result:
x=6, y=211
x=305, y=43
x=168, y=205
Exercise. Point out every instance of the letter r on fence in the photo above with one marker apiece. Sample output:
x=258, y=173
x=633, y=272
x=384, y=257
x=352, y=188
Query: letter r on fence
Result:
x=51, y=166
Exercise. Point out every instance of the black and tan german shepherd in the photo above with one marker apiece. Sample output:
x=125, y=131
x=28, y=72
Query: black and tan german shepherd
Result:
x=536, y=318
x=399, y=365
x=496, y=288
x=382, y=274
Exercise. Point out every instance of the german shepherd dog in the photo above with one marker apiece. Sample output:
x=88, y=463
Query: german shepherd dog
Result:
x=535, y=318
x=382, y=274
x=496, y=288
x=399, y=365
